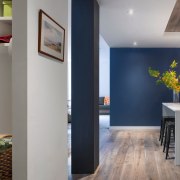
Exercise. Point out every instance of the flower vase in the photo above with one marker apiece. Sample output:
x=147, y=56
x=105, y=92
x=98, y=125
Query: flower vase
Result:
x=175, y=96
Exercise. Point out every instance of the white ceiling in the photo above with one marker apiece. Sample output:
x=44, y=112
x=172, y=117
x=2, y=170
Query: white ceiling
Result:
x=146, y=26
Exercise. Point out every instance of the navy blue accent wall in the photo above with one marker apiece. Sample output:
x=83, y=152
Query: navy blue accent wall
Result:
x=85, y=86
x=136, y=100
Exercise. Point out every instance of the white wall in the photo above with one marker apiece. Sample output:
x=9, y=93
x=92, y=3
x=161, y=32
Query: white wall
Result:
x=104, y=68
x=47, y=99
x=46, y=86
x=69, y=53
x=19, y=89
x=5, y=84
x=5, y=92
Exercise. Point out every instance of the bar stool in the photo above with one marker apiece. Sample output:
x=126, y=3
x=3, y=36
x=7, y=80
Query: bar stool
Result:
x=170, y=127
x=164, y=120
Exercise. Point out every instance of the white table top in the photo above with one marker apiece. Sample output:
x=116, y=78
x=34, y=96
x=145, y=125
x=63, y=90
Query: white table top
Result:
x=172, y=106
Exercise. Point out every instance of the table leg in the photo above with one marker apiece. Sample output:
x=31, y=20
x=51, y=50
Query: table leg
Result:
x=177, y=138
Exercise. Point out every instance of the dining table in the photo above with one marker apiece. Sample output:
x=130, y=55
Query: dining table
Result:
x=173, y=110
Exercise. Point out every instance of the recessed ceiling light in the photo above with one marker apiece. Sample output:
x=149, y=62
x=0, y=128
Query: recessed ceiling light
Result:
x=135, y=43
x=130, y=11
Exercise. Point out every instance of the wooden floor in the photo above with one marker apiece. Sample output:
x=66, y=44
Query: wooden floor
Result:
x=132, y=155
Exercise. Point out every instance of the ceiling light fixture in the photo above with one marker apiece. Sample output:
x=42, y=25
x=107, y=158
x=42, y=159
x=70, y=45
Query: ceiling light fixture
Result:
x=135, y=43
x=130, y=11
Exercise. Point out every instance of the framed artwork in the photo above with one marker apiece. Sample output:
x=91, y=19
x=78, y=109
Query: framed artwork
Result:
x=51, y=41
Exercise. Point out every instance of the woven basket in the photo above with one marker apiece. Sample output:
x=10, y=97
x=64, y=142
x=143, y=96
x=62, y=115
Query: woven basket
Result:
x=6, y=164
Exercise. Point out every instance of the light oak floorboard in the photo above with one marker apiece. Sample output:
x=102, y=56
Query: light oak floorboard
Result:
x=133, y=155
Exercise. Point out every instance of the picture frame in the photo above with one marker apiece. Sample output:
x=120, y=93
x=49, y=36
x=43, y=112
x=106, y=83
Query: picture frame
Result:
x=51, y=40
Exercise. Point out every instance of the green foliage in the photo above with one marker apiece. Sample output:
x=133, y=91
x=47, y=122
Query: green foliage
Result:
x=5, y=143
x=174, y=64
x=153, y=73
x=169, y=78
x=159, y=81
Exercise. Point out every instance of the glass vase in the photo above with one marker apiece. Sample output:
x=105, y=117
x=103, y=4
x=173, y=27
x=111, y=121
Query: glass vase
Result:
x=175, y=97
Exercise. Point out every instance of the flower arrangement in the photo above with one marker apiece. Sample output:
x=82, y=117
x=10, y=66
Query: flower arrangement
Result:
x=169, y=78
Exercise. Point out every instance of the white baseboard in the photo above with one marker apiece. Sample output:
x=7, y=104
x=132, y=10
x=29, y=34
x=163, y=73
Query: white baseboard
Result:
x=135, y=127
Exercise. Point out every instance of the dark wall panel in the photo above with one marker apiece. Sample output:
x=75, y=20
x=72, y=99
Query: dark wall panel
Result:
x=135, y=98
x=85, y=86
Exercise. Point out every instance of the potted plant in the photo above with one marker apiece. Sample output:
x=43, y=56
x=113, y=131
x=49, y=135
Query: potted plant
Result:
x=169, y=78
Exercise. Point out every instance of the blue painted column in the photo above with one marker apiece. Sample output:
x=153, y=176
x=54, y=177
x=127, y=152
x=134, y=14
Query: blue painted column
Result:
x=85, y=86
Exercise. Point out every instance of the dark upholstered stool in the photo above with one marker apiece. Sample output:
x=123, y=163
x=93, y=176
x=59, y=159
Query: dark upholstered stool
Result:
x=164, y=120
x=170, y=127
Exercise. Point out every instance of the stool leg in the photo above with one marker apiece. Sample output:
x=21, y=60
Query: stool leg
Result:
x=165, y=139
x=168, y=141
x=162, y=132
x=174, y=133
x=160, y=135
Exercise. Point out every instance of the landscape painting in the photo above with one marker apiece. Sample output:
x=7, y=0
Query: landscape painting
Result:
x=51, y=37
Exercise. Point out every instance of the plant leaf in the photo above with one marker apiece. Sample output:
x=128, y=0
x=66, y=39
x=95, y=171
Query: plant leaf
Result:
x=153, y=73
x=173, y=64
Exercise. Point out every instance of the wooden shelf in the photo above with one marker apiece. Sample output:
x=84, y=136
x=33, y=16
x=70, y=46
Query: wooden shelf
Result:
x=7, y=20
